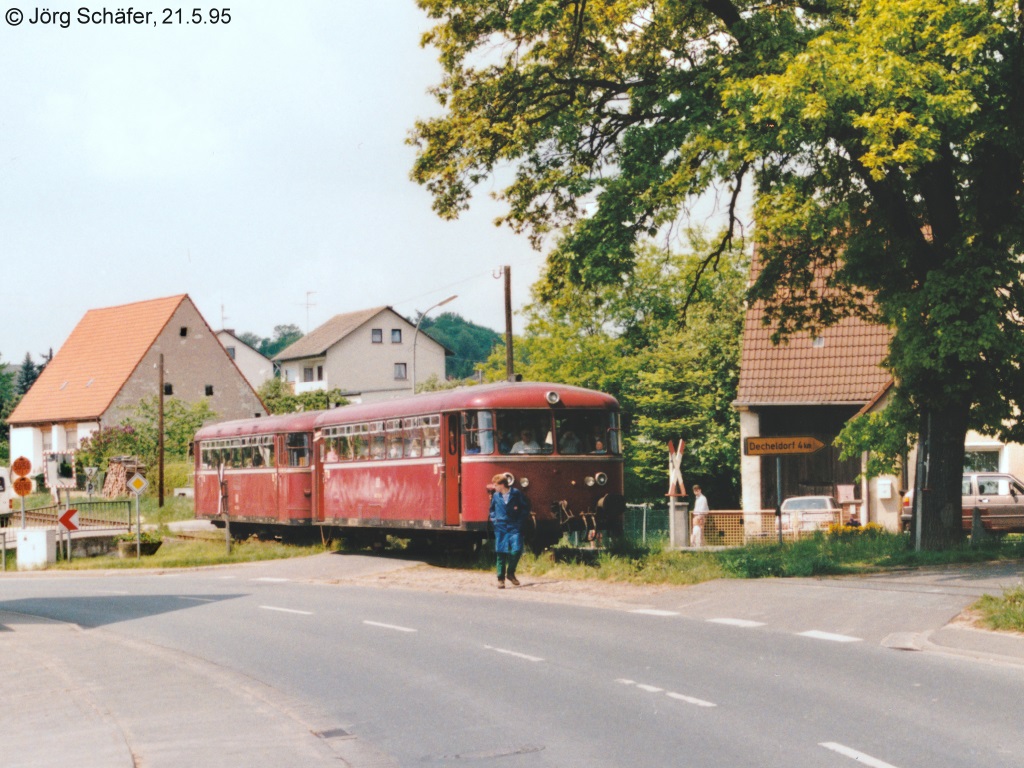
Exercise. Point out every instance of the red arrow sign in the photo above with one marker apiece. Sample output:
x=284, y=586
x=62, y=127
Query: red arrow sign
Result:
x=70, y=520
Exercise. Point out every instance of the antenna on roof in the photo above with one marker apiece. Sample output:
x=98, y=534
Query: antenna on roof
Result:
x=308, y=303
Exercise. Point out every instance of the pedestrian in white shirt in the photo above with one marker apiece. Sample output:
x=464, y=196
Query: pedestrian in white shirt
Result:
x=700, y=509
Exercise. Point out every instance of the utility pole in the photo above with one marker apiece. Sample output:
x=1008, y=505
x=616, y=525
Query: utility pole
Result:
x=509, y=366
x=160, y=439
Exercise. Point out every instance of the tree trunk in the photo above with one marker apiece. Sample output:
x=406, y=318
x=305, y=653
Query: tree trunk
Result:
x=943, y=431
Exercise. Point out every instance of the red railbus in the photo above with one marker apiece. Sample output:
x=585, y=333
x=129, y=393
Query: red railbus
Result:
x=420, y=466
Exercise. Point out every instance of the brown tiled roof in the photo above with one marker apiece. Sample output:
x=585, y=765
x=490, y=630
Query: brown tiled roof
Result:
x=319, y=340
x=844, y=369
x=97, y=359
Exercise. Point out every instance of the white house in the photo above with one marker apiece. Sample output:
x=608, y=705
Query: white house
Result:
x=370, y=355
x=257, y=368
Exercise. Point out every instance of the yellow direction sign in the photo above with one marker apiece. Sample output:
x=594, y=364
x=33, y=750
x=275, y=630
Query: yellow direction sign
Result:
x=781, y=446
x=137, y=484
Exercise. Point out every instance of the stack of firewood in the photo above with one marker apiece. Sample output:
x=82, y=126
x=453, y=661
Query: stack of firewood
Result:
x=116, y=483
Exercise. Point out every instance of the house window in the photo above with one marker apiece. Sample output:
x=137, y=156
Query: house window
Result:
x=396, y=335
x=168, y=389
x=400, y=371
x=231, y=352
x=377, y=335
x=183, y=331
x=319, y=373
x=307, y=374
x=209, y=390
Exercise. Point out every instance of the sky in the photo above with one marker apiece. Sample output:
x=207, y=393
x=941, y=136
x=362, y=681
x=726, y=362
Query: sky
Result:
x=258, y=165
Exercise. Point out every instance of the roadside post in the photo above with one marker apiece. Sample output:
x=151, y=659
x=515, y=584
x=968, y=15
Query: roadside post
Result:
x=69, y=523
x=778, y=447
x=677, y=490
x=138, y=484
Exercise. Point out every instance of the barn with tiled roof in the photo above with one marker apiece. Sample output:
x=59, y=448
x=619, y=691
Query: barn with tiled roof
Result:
x=109, y=364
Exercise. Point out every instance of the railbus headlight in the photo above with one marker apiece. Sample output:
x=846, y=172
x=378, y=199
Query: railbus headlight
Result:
x=588, y=481
x=601, y=478
x=524, y=481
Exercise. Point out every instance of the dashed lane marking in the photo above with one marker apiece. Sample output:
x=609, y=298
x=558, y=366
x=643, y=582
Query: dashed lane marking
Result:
x=671, y=694
x=274, y=579
x=655, y=612
x=285, y=610
x=518, y=655
x=853, y=754
x=738, y=622
x=395, y=627
x=817, y=635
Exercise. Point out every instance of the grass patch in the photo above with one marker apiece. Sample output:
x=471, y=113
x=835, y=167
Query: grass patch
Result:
x=1004, y=613
x=194, y=554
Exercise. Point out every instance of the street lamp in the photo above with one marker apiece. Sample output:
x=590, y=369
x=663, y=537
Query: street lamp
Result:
x=415, y=335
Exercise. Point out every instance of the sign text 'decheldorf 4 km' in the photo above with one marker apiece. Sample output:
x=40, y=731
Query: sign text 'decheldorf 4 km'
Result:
x=781, y=446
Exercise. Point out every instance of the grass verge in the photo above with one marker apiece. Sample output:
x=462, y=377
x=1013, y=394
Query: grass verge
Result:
x=1004, y=613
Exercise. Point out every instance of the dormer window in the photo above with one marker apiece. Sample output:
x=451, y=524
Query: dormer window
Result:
x=818, y=342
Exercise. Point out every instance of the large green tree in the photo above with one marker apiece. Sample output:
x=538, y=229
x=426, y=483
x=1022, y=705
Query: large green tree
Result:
x=881, y=140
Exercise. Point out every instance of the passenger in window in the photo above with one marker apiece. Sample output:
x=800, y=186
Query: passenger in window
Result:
x=415, y=447
x=505, y=442
x=526, y=443
x=332, y=454
x=599, y=446
x=569, y=443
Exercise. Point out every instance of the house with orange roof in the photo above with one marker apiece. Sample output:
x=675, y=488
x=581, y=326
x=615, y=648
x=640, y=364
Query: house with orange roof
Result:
x=370, y=355
x=110, y=362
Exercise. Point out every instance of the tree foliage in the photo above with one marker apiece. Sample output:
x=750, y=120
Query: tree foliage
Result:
x=471, y=343
x=139, y=434
x=27, y=374
x=278, y=397
x=880, y=138
x=674, y=369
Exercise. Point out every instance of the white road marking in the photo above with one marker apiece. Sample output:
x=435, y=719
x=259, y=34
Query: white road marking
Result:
x=518, y=655
x=269, y=578
x=113, y=592
x=285, y=610
x=738, y=622
x=655, y=612
x=853, y=754
x=670, y=694
x=389, y=626
x=690, y=700
x=830, y=636
x=198, y=599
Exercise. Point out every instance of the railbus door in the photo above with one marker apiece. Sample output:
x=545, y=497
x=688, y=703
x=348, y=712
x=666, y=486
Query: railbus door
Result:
x=452, y=471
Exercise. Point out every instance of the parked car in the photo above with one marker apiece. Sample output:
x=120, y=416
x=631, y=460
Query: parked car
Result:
x=810, y=513
x=999, y=497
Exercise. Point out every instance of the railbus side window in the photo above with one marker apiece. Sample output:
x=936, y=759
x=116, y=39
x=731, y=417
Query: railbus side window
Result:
x=478, y=427
x=413, y=429
x=297, y=445
x=432, y=436
x=395, y=438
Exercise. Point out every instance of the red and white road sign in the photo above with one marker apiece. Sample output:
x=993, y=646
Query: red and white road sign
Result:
x=70, y=520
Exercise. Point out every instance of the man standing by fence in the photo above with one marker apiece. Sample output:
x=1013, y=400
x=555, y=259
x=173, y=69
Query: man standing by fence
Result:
x=700, y=509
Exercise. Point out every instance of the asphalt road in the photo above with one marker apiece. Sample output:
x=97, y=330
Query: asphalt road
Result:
x=792, y=674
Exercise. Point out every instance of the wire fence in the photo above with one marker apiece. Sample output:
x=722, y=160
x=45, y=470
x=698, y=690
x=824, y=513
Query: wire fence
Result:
x=646, y=523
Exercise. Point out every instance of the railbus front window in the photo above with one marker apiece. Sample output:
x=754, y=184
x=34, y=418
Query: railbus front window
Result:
x=524, y=432
x=583, y=431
